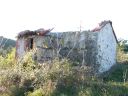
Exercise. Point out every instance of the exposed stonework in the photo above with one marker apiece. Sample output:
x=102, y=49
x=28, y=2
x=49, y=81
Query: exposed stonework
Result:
x=96, y=48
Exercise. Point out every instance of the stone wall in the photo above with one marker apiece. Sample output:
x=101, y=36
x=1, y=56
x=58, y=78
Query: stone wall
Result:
x=106, y=44
x=92, y=48
x=20, y=48
x=81, y=48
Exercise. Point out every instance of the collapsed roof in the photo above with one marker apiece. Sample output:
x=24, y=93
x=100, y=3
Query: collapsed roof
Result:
x=42, y=31
x=39, y=32
x=101, y=25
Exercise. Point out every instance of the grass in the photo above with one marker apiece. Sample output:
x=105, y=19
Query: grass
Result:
x=116, y=73
x=59, y=78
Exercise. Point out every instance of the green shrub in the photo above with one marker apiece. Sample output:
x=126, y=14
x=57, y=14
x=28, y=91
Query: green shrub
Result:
x=37, y=92
x=58, y=77
x=8, y=60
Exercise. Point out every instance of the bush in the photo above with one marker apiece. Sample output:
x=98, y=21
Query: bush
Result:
x=37, y=92
x=58, y=77
x=8, y=60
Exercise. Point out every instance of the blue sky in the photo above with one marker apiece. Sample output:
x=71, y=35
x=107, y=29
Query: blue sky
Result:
x=64, y=15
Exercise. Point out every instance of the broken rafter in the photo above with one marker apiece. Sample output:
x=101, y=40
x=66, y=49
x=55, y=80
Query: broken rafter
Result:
x=40, y=32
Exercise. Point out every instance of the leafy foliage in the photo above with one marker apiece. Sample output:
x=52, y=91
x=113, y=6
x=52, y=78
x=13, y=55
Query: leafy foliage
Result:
x=26, y=77
x=8, y=60
x=123, y=45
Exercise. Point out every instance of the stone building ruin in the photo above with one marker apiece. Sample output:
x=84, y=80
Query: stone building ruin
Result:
x=95, y=47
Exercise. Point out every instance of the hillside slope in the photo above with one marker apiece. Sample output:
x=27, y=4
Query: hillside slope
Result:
x=6, y=42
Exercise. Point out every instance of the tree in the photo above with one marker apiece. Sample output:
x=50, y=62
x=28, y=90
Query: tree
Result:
x=123, y=45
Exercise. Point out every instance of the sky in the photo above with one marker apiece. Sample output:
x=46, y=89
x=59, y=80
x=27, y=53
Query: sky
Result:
x=63, y=15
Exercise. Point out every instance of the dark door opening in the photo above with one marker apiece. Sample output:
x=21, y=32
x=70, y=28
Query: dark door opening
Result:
x=31, y=43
